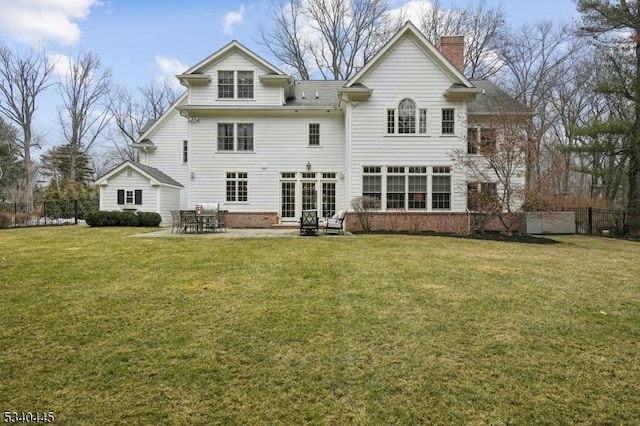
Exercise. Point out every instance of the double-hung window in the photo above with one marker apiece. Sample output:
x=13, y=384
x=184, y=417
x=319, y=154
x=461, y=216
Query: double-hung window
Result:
x=314, y=134
x=226, y=85
x=237, y=187
x=448, y=121
x=245, y=137
x=372, y=183
x=129, y=197
x=235, y=85
x=472, y=140
x=407, y=119
x=487, y=140
x=417, y=188
x=482, y=196
x=441, y=188
x=396, y=188
x=235, y=137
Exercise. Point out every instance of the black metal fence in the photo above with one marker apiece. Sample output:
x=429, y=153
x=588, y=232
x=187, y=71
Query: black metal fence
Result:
x=593, y=221
x=45, y=213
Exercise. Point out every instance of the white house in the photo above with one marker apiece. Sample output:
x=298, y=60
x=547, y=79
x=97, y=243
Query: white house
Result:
x=265, y=146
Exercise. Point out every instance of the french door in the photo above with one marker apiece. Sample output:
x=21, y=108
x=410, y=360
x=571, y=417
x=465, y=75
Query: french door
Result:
x=307, y=191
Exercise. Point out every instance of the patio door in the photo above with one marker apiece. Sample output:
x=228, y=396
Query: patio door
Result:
x=307, y=191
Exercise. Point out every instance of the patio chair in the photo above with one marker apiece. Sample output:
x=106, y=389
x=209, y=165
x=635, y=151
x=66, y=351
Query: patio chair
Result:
x=188, y=221
x=335, y=223
x=209, y=220
x=309, y=222
x=176, y=225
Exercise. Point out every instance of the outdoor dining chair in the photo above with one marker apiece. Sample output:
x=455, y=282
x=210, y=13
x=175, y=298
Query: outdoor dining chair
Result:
x=188, y=221
x=309, y=222
x=176, y=225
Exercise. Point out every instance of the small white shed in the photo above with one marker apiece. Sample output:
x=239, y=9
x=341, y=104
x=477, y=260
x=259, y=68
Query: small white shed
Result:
x=137, y=187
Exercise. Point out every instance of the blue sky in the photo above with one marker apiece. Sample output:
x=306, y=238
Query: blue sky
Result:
x=142, y=41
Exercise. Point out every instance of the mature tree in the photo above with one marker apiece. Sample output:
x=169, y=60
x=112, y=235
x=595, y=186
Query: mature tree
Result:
x=130, y=114
x=334, y=37
x=23, y=78
x=535, y=57
x=10, y=167
x=482, y=26
x=494, y=164
x=68, y=172
x=83, y=116
x=612, y=22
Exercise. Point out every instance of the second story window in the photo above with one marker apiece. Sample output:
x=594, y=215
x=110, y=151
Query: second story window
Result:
x=408, y=119
x=235, y=137
x=472, y=140
x=314, y=134
x=448, y=121
x=407, y=116
x=235, y=85
x=481, y=141
x=185, y=151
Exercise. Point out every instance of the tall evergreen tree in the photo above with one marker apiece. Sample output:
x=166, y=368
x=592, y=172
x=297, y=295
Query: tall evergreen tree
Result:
x=617, y=23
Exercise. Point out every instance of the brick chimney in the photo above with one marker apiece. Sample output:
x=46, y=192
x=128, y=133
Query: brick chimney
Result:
x=452, y=47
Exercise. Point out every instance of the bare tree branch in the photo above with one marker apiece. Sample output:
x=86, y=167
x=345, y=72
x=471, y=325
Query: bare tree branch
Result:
x=22, y=79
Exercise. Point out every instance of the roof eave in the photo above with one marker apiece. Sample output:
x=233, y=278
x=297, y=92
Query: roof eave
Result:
x=275, y=79
x=461, y=93
x=356, y=93
x=194, y=79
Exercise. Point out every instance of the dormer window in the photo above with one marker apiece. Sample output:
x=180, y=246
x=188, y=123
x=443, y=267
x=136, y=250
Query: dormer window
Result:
x=403, y=120
x=235, y=84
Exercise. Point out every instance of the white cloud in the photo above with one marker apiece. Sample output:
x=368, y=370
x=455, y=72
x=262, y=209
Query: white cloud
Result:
x=411, y=11
x=168, y=68
x=39, y=21
x=232, y=19
x=62, y=65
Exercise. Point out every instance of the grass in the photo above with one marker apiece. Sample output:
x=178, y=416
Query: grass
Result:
x=102, y=328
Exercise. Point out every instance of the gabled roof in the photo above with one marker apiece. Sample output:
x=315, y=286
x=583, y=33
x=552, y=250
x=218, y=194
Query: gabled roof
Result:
x=157, y=177
x=494, y=100
x=409, y=30
x=151, y=126
x=233, y=46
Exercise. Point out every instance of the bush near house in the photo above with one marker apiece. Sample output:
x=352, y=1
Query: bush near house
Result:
x=117, y=218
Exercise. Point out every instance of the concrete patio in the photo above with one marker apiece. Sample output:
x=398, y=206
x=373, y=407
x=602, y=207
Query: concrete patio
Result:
x=240, y=233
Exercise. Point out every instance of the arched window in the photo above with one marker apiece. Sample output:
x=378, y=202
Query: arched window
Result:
x=406, y=119
x=407, y=116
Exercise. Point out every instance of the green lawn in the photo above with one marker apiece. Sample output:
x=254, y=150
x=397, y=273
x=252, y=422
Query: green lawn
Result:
x=102, y=328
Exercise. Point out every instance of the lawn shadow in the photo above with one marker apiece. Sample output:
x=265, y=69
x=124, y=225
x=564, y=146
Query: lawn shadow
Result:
x=487, y=236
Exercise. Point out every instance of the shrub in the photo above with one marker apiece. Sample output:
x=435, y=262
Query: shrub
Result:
x=149, y=219
x=118, y=218
x=6, y=220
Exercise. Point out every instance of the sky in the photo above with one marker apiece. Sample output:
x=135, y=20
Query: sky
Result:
x=142, y=41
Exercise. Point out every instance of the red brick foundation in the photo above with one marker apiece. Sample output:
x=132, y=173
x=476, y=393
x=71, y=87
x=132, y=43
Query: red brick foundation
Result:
x=251, y=220
x=456, y=223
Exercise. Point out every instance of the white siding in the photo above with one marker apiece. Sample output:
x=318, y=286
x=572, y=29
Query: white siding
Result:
x=404, y=73
x=280, y=145
x=167, y=156
x=169, y=200
x=207, y=95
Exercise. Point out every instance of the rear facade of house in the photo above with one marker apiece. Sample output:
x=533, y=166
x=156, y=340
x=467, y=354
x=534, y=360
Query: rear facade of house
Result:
x=265, y=147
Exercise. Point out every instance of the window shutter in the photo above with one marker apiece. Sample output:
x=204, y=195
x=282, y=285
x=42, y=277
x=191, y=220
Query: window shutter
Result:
x=138, y=196
x=120, y=196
